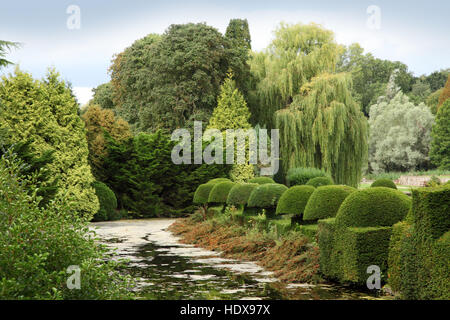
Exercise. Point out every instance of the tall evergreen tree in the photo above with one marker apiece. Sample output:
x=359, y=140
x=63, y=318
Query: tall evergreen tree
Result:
x=440, y=143
x=445, y=93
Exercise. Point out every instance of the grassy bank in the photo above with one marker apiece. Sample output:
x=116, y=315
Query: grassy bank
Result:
x=292, y=257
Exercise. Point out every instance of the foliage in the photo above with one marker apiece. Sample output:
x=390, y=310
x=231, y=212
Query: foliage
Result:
x=433, y=100
x=445, y=95
x=219, y=193
x=373, y=207
x=300, y=176
x=261, y=180
x=107, y=200
x=320, y=181
x=266, y=195
x=440, y=143
x=399, y=135
x=324, y=128
x=45, y=112
x=218, y=180
x=296, y=55
x=5, y=46
x=388, y=183
x=240, y=193
x=201, y=195
x=39, y=244
x=324, y=203
x=294, y=200
x=103, y=96
x=97, y=121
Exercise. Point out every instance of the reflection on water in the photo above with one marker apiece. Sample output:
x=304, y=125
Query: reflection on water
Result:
x=166, y=269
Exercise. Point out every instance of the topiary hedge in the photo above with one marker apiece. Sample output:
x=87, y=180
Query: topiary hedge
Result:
x=384, y=183
x=373, y=207
x=320, y=181
x=300, y=176
x=266, y=195
x=325, y=202
x=219, y=193
x=239, y=194
x=219, y=180
x=294, y=200
x=107, y=200
x=261, y=180
x=201, y=195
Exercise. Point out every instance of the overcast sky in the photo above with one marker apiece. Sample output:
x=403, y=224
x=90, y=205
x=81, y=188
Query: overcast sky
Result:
x=414, y=32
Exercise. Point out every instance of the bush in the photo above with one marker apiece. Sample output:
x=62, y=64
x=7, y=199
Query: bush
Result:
x=309, y=230
x=400, y=231
x=261, y=180
x=384, y=183
x=201, y=195
x=266, y=195
x=240, y=193
x=219, y=193
x=219, y=180
x=39, y=244
x=107, y=200
x=320, y=181
x=294, y=200
x=325, y=202
x=373, y=207
x=300, y=176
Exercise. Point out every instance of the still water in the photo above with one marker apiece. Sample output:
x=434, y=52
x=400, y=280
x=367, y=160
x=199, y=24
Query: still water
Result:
x=166, y=269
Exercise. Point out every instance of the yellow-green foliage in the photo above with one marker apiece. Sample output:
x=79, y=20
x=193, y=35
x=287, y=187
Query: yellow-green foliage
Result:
x=201, y=195
x=294, y=200
x=266, y=195
x=325, y=128
x=261, y=180
x=388, y=183
x=320, y=181
x=445, y=94
x=45, y=112
x=219, y=193
x=239, y=194
x=218, y=180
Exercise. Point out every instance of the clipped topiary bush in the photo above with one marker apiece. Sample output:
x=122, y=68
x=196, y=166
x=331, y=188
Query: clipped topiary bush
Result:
x=320, y=181
x=107, y=200
x=384, y=183
x=373, y=207
x=261, y=180
x=201, y=195
x=219, y=180
x=294, y=200
x=300, y=176
x=266, y=195
x=219, y=193
x=325, y=202
x=239, y=194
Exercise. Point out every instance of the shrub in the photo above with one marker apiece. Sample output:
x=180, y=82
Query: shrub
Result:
x=300, y=176
x=320, y=181
x=219, y=180
x=240, y=193
x=325, y=202
x=261, y=180
x=294, y=200
x=328, y=257
x=309, y=230
x=201, y=195
x=373, y=207
x=266, y=195
x=400, y=231
x=107, y=200
x=384, y=183
x=219, y=193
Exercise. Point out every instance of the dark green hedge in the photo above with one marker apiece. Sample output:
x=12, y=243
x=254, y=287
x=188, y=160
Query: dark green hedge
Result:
x=240, y=193
x=309, y=230
x=266, y=195
x=201, y=195
x=325, y=202
x=261, y=180
x=328, y=258
x=373, y=207
x=107, y=200
x=400, y=231
x=300, y=176
x=294, y=200
x=384, y=183
x=320, y=181
x=219, y=193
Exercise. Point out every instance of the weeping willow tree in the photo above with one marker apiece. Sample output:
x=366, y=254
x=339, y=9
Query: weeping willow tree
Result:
x=296, y=55
x=324, y=128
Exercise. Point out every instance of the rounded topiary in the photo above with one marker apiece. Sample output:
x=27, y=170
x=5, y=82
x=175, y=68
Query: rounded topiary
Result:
x=219, y=193
x=384, y=183
x=294, y=200
x=261, y=180
x=107, y=201
x=266, y=195
x=373, y=207
x=320, y=181
x=219, y=180
x=325, y=202
x=201, y=195
x=239, y=194
x=300, y=176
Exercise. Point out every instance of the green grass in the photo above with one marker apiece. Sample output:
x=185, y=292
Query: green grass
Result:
x=402, y=188
x=396, y=175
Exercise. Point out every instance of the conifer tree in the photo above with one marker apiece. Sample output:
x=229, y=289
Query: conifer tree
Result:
x=440, y=143
x=445, y=93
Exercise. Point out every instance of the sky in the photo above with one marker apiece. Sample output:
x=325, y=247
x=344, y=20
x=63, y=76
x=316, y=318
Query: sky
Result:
x=413, y=32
